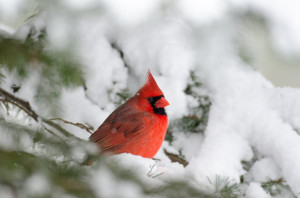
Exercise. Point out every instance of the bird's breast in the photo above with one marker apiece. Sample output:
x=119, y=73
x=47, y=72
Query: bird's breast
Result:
x=149, y=140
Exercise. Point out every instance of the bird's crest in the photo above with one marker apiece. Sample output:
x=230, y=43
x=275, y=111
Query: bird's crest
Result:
x=150, y=88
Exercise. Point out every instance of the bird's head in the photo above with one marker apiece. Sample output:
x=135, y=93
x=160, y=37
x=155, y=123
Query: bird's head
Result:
x=151, y=98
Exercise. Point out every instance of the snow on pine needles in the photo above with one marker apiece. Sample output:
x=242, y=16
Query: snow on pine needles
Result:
x=232, y=133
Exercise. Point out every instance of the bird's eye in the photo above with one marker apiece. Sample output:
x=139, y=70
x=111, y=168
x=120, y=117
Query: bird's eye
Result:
x=150, y=100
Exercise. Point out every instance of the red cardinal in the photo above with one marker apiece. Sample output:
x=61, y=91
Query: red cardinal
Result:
x=138, y=127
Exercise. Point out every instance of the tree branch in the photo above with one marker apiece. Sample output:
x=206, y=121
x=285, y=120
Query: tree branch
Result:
x=88, y=129
x=59, y=128
x=118, y=49
x=22, y=104
x=25, y=106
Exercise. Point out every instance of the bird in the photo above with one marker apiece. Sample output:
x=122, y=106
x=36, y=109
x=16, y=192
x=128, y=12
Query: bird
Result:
x=138, y=126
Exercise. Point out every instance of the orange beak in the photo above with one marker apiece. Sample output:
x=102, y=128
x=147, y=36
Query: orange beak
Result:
x=161, y=103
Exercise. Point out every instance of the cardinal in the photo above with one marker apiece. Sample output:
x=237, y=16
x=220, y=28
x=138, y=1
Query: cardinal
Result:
x=138, y=126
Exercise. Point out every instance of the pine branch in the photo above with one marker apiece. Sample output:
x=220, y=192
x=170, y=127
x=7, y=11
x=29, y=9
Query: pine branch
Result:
x=278, y=181
x=22, y=104
x=122, y=56
x=25, y=106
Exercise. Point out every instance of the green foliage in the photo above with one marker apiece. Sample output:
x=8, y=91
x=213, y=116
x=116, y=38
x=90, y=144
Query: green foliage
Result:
x=225, y=188
x=53, y=159
x=247, y=165
x=2, y=77
x=276, y=187
x=69, y=177
x=197, y=119
x=181, y=189
x=122, y=96
x=54, y=69
x=47, y=151
x=17, y=167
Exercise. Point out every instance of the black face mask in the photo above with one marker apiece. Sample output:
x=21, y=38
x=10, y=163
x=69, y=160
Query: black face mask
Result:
x=152, y=101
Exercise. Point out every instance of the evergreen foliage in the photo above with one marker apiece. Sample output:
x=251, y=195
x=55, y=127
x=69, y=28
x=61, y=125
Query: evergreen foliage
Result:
x=39, y=157
x=54, y=69
x=20, y=167
x=197, y=119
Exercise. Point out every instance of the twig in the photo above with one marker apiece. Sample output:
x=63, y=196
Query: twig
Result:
x=118, y=49
x=22, y=104
x=151, y=168
x=150, y=174
x=272, y=182
x=157, y=175
x=20, y=107
x=25, y=106
x=88, y=129
x=51, y=132
x=59, y=128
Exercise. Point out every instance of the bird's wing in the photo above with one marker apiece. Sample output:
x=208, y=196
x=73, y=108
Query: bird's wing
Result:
x=123, y=124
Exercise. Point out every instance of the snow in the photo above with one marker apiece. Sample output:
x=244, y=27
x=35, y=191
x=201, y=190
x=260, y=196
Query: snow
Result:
x=198, y=12
x=6, y=192
x=154, y=46
x=131, y=12
x=5, y=31
x=285, y=102
x=9, y=6
x=37, y=185
x=105, y=184
x=79, y=5
x=255, y=190
x=76, y=98
x=191, y=149
x=265, y=170
x=249, y=116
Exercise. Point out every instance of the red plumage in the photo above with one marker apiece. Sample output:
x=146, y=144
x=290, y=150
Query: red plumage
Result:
x=138, y=126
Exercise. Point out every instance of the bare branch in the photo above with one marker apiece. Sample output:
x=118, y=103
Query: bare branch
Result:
x=59, y=128
x=19, y=106
x=88, y=129
x=25, y=106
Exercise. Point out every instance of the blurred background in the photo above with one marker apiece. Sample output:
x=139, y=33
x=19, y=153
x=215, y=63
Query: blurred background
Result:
x=268, y=31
